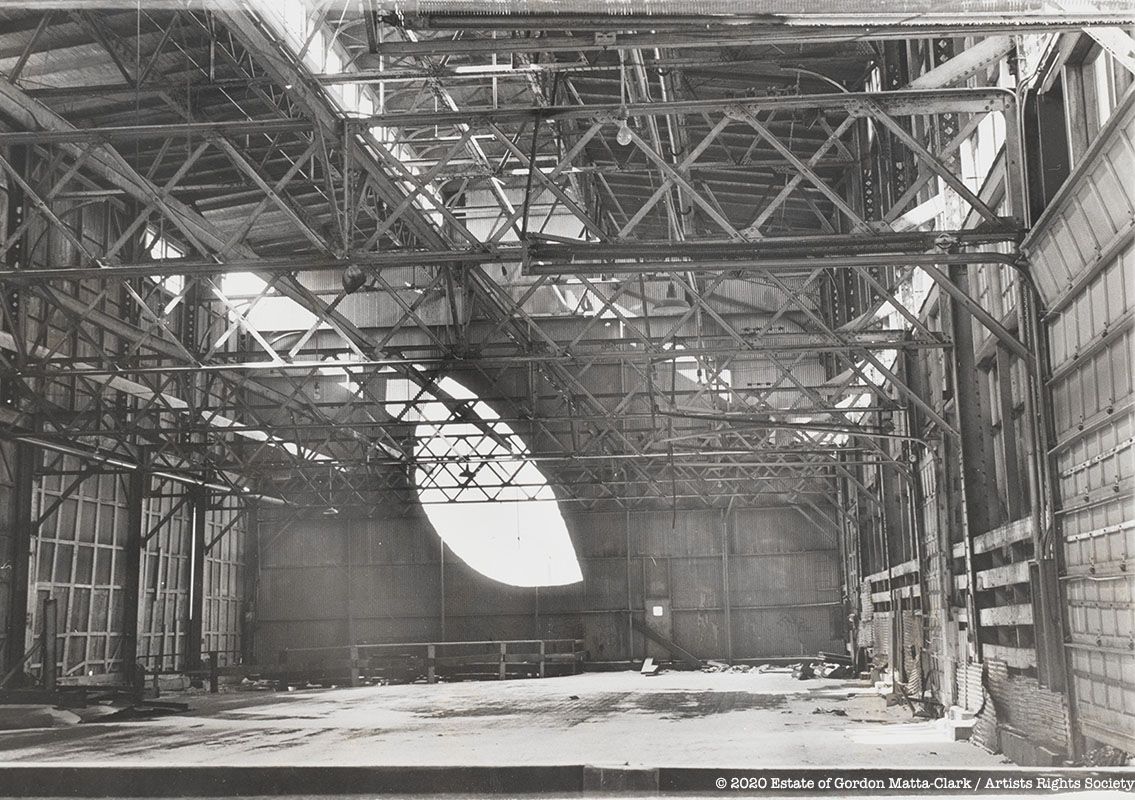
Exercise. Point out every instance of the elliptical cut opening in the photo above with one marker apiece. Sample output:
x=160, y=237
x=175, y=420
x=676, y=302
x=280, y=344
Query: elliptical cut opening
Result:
x=486, y=499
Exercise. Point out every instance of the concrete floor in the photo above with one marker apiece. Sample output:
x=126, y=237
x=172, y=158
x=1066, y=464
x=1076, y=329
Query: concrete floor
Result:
x=676, y=719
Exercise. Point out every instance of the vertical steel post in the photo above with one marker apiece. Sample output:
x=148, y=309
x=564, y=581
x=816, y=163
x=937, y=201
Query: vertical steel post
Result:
x=1050, y=609
x=441, y=590
x=131, y=585
x=536, y=615
x=199, y=500
x=348, y=576
x=25, y=457
x=727, y=605
x=630, y=593
x=50, y=643
x=975, y=494
x=22, y=530
x=250, y=579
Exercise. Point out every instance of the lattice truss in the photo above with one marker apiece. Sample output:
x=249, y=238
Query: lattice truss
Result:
x=672, y=261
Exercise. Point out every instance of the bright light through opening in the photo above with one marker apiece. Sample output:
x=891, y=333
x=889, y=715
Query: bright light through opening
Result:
x=490, y=504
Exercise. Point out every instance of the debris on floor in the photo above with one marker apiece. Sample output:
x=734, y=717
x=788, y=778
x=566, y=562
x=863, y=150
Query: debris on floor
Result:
x=1107, y=756
x=21, y=716
x=675, y=717
x=649, y=667
x=829, y=670
x=717, y=666
x=23, y=709
x=839, y=712
x=261, y=685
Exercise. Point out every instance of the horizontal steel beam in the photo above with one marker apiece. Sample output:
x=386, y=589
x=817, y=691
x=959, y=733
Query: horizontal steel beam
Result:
x=113, y=460
x=817, y=246
x=285, y=264
x=739, y=265
x=600, y=354
x=695, y=35
x=187, y=130
x=898, y=103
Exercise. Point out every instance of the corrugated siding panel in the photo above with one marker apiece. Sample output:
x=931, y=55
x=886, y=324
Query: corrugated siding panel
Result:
x=789, y=631
x=1094, y=211
x=223, y=581
x=700, y=631
x=7, y=537
x=308, y=596
x=1084, y=261
x=773, y=580
x=77, y=558
x=165, y=585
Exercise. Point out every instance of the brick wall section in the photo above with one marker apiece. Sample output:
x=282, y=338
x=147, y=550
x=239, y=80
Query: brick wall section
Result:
x=881, y=634
x=912, y=652
x=1014, y=701
x=972, y=697
x=1035, y=712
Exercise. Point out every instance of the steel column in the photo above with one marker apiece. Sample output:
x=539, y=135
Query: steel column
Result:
x=137, y=482
x=194, y=639
x=25, y=458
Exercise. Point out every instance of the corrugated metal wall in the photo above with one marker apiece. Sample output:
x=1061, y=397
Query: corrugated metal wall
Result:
x=226, y=539
x=758, y=583
x=164, y=595
x=7, y=541
x=77, y=559
x=79, y=509
x=1083, y=256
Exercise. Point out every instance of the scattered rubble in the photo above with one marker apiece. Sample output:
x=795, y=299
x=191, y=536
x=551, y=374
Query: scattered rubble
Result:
x=839, y=712
x=717, y=666
x=649, y=667
x=249, y=685
x=801, y=671
x=1107, y=756
x=837, y=670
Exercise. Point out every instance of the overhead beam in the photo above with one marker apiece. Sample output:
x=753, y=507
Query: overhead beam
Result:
x=1118, y=43
x=970, y=61
x=848, y=30
x=899, y=103
x=816, y=247
x=741, y=265
x=134, y=133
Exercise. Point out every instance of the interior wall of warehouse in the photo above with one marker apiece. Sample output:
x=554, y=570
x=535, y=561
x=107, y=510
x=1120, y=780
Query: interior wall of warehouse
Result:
x=78, y=532
x=921, y=588
x=7, y=542
x=752, y=583
x=1082, y=253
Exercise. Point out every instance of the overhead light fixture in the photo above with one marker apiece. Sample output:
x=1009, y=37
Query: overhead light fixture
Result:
x=623, y=137
x=353, y=278
x=624, y=133
x=330, y=511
